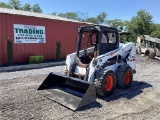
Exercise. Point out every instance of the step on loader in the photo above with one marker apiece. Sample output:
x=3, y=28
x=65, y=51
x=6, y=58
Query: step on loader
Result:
x=99, y=65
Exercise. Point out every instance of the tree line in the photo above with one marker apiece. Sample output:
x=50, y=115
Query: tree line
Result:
x=16, y=4
x=140, y=24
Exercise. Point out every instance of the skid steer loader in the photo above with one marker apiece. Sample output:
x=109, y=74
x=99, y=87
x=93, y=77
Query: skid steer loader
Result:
x=99, y=64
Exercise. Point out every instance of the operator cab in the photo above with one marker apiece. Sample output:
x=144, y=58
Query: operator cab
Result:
x=93, y=41
x=96, y=40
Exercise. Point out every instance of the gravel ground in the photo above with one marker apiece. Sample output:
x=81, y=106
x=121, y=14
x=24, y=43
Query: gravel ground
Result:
x=19, y=99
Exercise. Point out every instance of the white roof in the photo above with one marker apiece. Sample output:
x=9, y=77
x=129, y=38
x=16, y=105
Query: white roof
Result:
x=34, y=14
x=152, y=39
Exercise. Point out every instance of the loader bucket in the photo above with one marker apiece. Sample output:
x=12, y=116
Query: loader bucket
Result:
x=68, y=91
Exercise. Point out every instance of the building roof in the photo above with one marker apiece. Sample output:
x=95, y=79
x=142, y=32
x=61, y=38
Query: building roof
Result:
x=38, y=15
x=125, y=32
x=152, y=39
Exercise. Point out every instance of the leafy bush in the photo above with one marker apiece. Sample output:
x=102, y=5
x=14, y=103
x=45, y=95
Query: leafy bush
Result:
x=10, y=51
x=36, y=59
x=58, y=50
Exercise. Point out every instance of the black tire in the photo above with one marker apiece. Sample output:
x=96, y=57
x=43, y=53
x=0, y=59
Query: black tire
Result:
x=150, y=53
x=102, y=87
x=124, y=76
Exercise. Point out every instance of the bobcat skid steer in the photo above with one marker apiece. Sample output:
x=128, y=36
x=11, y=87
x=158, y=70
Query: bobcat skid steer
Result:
x=99, y=64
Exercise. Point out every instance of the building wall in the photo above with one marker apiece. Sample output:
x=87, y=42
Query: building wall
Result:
x=56, y=30
x=0, y=41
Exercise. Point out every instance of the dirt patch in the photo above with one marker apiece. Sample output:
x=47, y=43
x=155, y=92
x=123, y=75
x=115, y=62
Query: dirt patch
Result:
x=19, y=99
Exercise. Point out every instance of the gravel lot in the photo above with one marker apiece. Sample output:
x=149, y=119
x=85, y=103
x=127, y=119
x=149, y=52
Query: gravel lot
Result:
x=19, y=99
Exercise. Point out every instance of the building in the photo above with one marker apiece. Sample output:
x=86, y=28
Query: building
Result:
x=35, y=34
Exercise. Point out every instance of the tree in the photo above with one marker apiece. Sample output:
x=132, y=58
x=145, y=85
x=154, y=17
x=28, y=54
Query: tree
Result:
x=15, y=4
x=69, y=15
x=82, y=16
x=126, y=23
x=141, y=23
x=92, y=20
x=101, y=17
x=155, y=30
x=27, y=7
x=54, y=13
x=115, y=23
x=36, y=8
x=4, y=5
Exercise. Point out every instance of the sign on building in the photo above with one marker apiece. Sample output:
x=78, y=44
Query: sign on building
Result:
x=29, y=34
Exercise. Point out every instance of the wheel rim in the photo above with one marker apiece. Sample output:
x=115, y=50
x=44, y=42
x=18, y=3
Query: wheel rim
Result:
x=108, y=83
x=127, y=77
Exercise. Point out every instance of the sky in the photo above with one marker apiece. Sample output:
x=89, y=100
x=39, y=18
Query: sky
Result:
x=122, y=9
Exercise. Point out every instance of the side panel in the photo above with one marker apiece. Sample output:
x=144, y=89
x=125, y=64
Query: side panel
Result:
x=157, y=51
x=0, y=41
x=132, y=58
x=126, y=51
x=4, y=35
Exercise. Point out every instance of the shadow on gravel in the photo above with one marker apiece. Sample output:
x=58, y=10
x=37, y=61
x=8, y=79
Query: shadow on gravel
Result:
x=135, y=89
x=92, y=105
x=157, y=59
x=142, y=58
